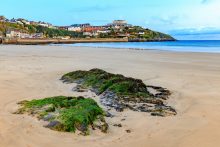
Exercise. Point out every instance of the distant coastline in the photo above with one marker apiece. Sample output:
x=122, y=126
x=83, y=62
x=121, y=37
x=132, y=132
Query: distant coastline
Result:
x=22, y=31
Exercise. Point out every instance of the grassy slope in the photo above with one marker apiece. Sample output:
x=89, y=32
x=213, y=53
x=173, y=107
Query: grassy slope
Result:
x=148, y=34
x=49, y=32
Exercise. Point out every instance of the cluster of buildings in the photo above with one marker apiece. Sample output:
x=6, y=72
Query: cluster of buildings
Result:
x=12, y=33
x=22, y=21
x=87, y=29
x=91, y=31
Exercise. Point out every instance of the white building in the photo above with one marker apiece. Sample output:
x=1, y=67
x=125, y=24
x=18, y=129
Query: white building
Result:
x=141, y=33
x=103, y=32
x=118, y=24
x=16, y=34
x=81, y=25
x=44, y=24
x=37, y=35
x=90, y=34
x=52, y=27
x=12, y=34
x=87, y=33
x=2, y=19
x=74, y=29
x=23, y=21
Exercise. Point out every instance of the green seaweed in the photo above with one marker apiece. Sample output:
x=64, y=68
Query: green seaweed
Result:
x=120, y=92
x=102, y=81
x=72, y=113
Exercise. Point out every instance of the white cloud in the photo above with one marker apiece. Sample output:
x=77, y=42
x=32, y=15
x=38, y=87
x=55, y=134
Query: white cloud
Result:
x=191, y=16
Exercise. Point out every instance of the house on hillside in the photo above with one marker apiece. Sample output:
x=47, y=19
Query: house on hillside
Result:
x=22, y=35
x=74, y=29
x=81, y=25
x=87, y=34
x=37, y=35
x=12, y=34
x=90, y=34
x=33, y=23
x=16, y=34
x=52, y=27
x=63, y=28
x=15, y=21
x=118, y=24
x=2, y=19
x=103, y=31
x=44, y=24
x=24, y=21
x=141, y=33
x=1, y=35
x=93, y=29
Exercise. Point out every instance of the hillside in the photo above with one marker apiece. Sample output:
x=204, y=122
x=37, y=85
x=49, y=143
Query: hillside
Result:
x=133, y=33
x=48, y=32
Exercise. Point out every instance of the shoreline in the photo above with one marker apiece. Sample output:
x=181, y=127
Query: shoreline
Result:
x=118, y=48
x=28, y=72
x=60, y=41
x=85, y=42
x=140, y=49
x=71, y=41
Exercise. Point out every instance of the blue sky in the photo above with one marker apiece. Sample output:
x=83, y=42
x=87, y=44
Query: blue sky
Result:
x=184, y=19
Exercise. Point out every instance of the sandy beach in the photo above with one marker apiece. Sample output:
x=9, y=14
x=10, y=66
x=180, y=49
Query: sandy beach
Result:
x=28, y=72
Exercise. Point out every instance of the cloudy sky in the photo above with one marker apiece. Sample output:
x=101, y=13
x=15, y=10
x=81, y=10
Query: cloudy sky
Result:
x=184, y=19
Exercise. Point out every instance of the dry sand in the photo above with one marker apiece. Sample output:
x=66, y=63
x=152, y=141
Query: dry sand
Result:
x=28, y=72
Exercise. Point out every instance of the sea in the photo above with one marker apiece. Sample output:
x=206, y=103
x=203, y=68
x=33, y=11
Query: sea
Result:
x=210, y=46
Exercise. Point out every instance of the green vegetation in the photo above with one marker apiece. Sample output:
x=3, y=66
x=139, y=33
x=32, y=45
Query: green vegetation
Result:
x=48, y=32
x=66, y=114
x=120, y=92
x=136, y=33
x=4, y=26
x=102, y=81
x=142, y=33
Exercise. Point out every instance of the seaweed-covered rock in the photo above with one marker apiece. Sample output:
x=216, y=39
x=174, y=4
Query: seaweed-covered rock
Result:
x=66, y=114
x=120, y=92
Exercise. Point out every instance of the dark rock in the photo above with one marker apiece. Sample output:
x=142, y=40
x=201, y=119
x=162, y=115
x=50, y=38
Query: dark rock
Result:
x=104, y=128
x=80, y=81
x=53, y=124
x=82, y=128
x=157, y=114
x=128, y=131
x=79, y=88
x=119, y=109
x=108, y=114
x=117, y=125
x=48, y=117
x=101, y=124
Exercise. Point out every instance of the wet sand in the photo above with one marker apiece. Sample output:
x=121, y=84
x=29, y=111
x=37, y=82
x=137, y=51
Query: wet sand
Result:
x=28, y=72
